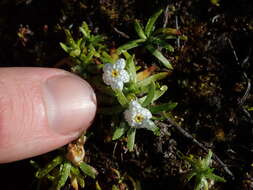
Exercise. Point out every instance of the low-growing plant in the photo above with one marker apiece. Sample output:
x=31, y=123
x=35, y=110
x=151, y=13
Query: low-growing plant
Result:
x=68, y=165
x=202, y=172
x=152, y=39
x=133, y=91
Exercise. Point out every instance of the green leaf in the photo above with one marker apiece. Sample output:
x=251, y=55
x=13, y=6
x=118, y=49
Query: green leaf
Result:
x=150, y=96
x=106, y=58
x=198, y=183
x=70, y=39
x=162, y=44
x=131, y=138
x=76, y=173
x=151, y=21
x=152, y=127
x=114, y=187
x=64, y=47
x=166, y=37
x=64, y=174
x=85, y=30
x=49, y=167
x=207, y=160
x=130, y=45
x=131, y=68
x=120, y=131
x=87, y=59
x=215, y=177
x=167, y=32
x=163, y=107
x=121, y=98
x=75, y=52
x=159, y=56
x=159, y=92
x=153, y=78
x=190, y=176
x=139, y=30
x=88, y=170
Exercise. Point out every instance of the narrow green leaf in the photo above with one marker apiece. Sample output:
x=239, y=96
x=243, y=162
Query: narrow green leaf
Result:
x=131, y=69
x=163, y=107
x=130, y=45
x=88, y=170
x=163, y=44
x=166, y=37
x=75, y=52
x=64, y=174
x=159, y=56
x=198, y=183
x=87, y=59
x=131, y=139
x=114, y=187
x=151, y=21
x=152, y=127
x=85, y=30
x=150, y=96
x=106, y=58
x=208, y=159
x=70, y=39
x=159, y=92
x=167, y=32
x=121, y=98
x=139, y=30
x=149, y=80
x=119, y=131
x=49, y=167
x=189, y=176
x=76, y=173
x=215, y=177
x=64, y=47
x=98, y=186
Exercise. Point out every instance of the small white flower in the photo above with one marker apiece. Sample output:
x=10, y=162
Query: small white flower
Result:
x=137, y=116
x=115, y=75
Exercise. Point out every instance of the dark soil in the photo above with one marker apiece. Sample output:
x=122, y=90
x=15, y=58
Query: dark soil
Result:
x=211, y=85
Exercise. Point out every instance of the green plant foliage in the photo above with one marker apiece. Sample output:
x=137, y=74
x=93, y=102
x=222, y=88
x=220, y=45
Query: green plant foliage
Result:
x=202, y=171
x=62, y=168
x=153, y=40
x=126, y=88
x=86, y=49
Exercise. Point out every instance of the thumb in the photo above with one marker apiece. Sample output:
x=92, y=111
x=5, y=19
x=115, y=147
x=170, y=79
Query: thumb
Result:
x=41, y=109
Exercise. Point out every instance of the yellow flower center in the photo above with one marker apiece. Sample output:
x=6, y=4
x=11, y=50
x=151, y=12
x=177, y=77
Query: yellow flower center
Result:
x=138, y=118
x=115, y=73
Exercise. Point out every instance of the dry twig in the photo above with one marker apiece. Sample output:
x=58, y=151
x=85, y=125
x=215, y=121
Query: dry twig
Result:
x=189, y=136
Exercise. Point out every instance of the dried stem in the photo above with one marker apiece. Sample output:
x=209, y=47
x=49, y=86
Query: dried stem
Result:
x=247, y=91
x=121, y=33
x=189, y=136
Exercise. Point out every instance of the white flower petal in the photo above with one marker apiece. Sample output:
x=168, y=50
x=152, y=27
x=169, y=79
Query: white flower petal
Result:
x=120, y=64
x=107, y=67
x=124, y=76
x=117, y=85
x=115, y=75
x=147, y=113
x=106, y=79
x=148, y=124
x=134, y=111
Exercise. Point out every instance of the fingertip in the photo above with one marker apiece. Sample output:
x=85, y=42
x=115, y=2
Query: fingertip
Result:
x=45, y=109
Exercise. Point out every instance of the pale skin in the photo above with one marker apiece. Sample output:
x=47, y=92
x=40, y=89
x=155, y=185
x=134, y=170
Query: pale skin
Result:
x=41, y=109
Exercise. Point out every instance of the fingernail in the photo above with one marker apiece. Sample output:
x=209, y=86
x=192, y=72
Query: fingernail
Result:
x=70, y=104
